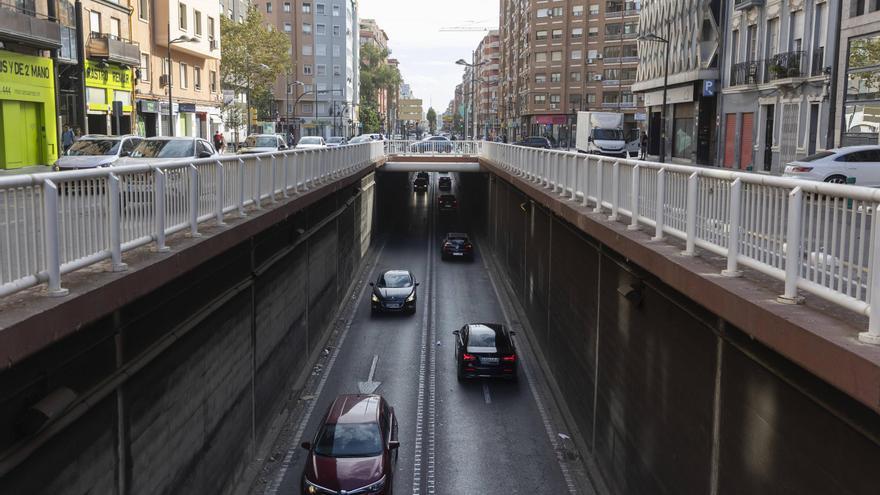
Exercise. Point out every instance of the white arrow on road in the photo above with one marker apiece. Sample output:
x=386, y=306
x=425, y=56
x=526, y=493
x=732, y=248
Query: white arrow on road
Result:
x=369, y=386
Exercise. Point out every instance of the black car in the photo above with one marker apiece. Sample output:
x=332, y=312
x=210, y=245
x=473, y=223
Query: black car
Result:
x=535, y=142
x=485, y=350
x=447, y=202
x=457, y=245
x=423, y=175
x=420, y=184
x=445, y=183
x=395, y=290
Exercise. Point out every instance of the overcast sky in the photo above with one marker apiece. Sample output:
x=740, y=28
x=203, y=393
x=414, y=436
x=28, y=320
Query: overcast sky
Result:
x=427, y=56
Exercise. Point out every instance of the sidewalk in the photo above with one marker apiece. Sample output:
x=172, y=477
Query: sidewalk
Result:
x=33, y=169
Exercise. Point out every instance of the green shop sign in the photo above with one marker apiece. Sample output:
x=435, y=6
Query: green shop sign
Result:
x=26, y=78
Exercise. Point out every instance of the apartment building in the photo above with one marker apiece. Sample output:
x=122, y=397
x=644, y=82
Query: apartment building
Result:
x=489, y=75
x=372, y=34
x=561, y=57
x=691, y=33
x=29, y=32
x=856, y=98
x=776, y=79
x=235, y=9
x=187, y=68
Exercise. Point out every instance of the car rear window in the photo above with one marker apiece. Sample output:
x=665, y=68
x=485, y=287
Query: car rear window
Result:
x=817, y=156
x=349, y=440
x=481, y=337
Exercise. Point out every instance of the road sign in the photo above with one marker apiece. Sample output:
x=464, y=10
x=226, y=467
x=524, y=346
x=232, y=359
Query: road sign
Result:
x=708, y=88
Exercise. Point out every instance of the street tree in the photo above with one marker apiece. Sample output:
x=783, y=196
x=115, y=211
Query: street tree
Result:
x=432, y=120
x=376, y=76
x=370, y=119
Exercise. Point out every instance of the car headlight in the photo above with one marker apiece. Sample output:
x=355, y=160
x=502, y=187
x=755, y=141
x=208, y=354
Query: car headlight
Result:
x=412, y=297
x=375, y=487
x=313, y=489
x=375, y=298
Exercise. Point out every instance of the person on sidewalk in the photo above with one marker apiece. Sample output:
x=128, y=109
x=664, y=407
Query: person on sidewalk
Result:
x=67, y=138
x=219, y=142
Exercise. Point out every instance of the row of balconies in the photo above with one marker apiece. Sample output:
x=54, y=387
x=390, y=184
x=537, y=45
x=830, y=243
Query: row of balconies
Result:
x=789, y=65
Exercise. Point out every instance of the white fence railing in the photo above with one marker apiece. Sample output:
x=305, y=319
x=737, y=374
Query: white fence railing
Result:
x=55, y=223
x=817, y=237
x=417, y=148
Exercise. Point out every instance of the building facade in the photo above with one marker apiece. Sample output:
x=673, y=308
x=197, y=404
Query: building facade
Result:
x=558, y=58
x=191, y=73
x=776, y=82
x=856, y=111
x=489, y=56
x=410, y=114
x=691, y=33
x=372, y=34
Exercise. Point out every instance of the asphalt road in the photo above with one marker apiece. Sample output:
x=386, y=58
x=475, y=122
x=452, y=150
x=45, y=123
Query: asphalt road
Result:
x=482, y=437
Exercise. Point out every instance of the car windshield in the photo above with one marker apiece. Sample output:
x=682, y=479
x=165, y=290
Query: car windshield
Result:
x=395, y=280
x=261, y=142
x=334, y=140
x=349, y=440
x=817, y=156
x=481, y=337
x=94, y=147
x=608, y=134
x=310, y=140
x=164, y=148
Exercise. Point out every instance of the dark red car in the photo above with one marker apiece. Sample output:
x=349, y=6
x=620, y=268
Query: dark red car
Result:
x=447, y=202
x=354, y=450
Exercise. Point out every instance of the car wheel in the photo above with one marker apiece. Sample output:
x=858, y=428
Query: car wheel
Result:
x=836, y=179
x=459, y=375
x=411, y=311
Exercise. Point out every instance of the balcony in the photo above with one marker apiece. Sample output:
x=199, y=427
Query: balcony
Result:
x=113, y=49
x=19, y=21
x=784, y=66
x=747, y=4
x=744, y=73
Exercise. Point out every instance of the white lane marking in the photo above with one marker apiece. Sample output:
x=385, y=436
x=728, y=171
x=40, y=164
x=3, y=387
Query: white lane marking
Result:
x=303, y=422
x=423, y=352
x=432, y=370
x=545, y=417
x=369, y=386
x=486, y=396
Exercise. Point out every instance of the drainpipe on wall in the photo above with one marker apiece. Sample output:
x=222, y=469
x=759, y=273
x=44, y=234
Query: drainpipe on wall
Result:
x=720, y=122
x=835, y=74
x=81, y=55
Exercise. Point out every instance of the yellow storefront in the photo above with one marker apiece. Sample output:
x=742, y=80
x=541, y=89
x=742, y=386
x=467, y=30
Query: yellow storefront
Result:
x=106, y=83
x=28, y=134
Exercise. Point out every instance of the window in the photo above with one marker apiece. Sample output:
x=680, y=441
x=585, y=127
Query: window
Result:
x=574, y=76
x=286, y=6
x=307, y=8
x=556, y=56
x=557, y=34
x=540, y=99
x=683, y=130
x=288, y=27
x=269, y=7
x=554, y=101
x=144, y=9
x=319, y=9
x=336, y=30
x=540, y=78
x=213, y=75
x=181, y=16
x=591, y=97
x=197, y=78
x=322, y=70
x=95, y=22
x=145, y=67
x=555, y=12
x=594, y=10
x=307, y=69
x=197, y=22
x=306, y=108
x=336, y=11
x=336, y=51
x=183, y=79
x=576, y=55
x=540, y=35
x=337, y=70
x=114, y=27
x=320, y=29
x=320, y=50
x=307, y=50
x=577, y=33
x=211, y=31
x=540, y=57
x=307, y=28
x=556, y=77
x=577, y=11
x=593, y=32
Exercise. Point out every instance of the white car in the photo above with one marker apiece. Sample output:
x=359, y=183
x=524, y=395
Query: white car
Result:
x=311, y=143
x=161, y=150
x=359, y=140
x=262, y=143
x=335, y=141
x=95, y=150
x=859, y=163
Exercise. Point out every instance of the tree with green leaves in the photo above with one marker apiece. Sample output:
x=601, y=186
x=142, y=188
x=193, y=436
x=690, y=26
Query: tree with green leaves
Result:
x=370, y=119
x=432, y=120
x=254, y=57
x=375, y=76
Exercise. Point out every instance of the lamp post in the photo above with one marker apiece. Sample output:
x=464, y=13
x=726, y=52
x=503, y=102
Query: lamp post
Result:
x=298, y=98
x=287, y=90
x=180, y=39
x=653, y=38
x=473, y=67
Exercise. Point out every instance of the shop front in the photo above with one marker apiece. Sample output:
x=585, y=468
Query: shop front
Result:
x=105, y=84
x=148, y=118
x=549, y=126
x=28, y=134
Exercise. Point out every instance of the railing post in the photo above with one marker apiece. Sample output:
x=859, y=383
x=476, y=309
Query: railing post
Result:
x=193, y=201
x=615, y=191
x=872, y=336
x=634, y=192
x=274, y=177
x=241, y=173
x=286, y=165
x=116, y=263
x=793, y=247
x=258, y=183
x=577, y=177
x=159, y=200
x=220, y=182
x=53, y=249
x=733, y=234
x=659, y=207
x=586, y=203
x=600, y=183
x=691, y=220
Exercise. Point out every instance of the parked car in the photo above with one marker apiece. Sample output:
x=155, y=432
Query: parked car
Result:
x=95, y=150
x=395, y=290
x=359, y=140
x=484, y=350
x=420, y=184
x=262, y=143
x=354, y=449
x=445, y=183
x=334, y=141
x=457, y=245
x=160, y=150
x=861, y=163
x=535, y=142
x=447, y=203
x=311, y=143
x=432, y=144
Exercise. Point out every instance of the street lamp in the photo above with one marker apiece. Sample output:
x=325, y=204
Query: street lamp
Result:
x=473, y=67
x=287, y=90
x=653, y=38
x=180, y=39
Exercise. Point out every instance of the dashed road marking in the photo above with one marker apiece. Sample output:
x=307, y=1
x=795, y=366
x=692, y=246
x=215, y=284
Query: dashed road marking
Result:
x=486, y=396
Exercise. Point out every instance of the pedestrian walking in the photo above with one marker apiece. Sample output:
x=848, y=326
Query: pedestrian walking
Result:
x=219, y=142
x=504, y=138
x=77, y=134
x=67, y=138
x=291, y=140
x=644, y=146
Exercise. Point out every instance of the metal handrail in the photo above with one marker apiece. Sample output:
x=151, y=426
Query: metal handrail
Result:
x=816, y=237
x=55, y=223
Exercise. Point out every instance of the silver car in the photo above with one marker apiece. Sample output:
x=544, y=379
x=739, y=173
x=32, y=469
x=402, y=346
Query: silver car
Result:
x=95, y=150
x=160, y=150
x=334, y=141
x=262, y=143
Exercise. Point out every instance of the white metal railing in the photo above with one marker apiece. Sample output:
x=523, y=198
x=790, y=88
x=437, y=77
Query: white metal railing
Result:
x=417, y=148
x=816, y=237
x=56, y=223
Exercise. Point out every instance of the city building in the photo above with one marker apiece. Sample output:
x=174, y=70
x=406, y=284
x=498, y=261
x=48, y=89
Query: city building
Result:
x=410, y=114
x=30, y=34
x=194, y=80
x=563, y=57
x=372, y=34
x=489, y=56
x=691, y=33
x=235, y=9
x=856, y=99
x=776, y=78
